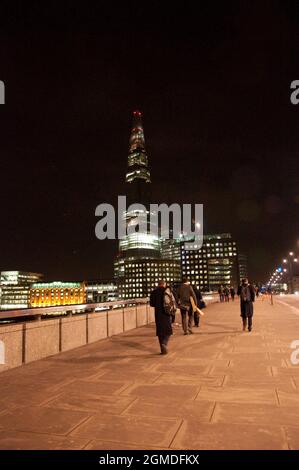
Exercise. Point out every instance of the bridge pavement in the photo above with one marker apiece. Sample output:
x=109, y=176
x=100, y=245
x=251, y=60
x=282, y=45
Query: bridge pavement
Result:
x=219, y=388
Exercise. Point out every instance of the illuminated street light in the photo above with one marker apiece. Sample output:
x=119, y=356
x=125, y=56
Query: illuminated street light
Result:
x=291, y=253
x=284, y=261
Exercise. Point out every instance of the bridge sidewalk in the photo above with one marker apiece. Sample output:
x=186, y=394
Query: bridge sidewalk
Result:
x=219, y=388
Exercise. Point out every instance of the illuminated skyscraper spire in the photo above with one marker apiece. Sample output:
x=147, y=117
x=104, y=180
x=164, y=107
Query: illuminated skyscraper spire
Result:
x=137, y=158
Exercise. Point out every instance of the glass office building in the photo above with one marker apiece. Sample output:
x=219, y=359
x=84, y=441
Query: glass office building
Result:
x=101, y=291
x=140, y=277
x=15, y=288
x=215, y=263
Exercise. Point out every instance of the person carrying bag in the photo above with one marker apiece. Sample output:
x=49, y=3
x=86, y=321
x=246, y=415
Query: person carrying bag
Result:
x=195, y=308
x=185, y=291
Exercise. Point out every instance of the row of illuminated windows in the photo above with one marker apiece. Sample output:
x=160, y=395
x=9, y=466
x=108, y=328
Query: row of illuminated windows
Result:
x=208, y=255
x=57, y=295
x=141, y=286
x=57, y=292
x=204, y=255
x=213, y=245
x=152, y=266
x=151, y=274
x=8, y=298
x=212, y=248
x=220, y=244
x=201, y=271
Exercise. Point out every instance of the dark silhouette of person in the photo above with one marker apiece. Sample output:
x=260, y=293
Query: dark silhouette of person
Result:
x=246, y=292
x=221, y=293
x=199, y=302
x=184, y=293
x=164, y=304
x=232, y=293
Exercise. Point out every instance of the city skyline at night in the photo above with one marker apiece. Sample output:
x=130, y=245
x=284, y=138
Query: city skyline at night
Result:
x=217, y=111
x=149, y=261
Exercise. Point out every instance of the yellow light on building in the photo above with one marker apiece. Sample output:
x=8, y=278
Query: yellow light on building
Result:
x=66, y=293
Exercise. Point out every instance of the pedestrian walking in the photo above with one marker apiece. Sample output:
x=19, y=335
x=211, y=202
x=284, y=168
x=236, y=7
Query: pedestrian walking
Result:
x=246, y=293
x=232, y=293
x=163, y=301
x=226, y=294
x=199, y=300
x=221, y=293
x=185, y=291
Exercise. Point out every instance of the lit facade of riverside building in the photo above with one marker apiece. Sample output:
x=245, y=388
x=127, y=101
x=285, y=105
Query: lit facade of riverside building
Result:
x=101, y=291
x=15, y=288
x=43, y=294
x=139, y=264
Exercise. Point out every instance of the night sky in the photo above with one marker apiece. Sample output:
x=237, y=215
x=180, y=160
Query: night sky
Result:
x=213, y=84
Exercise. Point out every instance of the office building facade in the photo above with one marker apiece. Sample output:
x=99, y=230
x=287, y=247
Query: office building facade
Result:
x=101, y=291
x=50, y=294
x=214, y=264
x=15, y=288
x=140, y=276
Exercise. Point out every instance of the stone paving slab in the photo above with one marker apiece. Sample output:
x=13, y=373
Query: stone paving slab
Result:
x=142, y=431
x=128, y=375
x=202, y=412
x=255, y=413
x=267, y=382
x=191, y=379
x=238, y=395
x=104, y=445
x=220, y=388
x=214, y=436
x=16, y=440
x=91, y=402
x=292, y=434
x=42, y=420
x=159, y=391
x=98, y=387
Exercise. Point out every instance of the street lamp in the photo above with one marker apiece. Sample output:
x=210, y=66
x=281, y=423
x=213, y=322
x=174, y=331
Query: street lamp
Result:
x=289, y=261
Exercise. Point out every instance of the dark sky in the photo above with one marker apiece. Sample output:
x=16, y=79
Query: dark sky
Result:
x=213, y=83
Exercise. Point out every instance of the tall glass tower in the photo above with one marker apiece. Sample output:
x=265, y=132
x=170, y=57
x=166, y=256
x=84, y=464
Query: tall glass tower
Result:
x=140, y=243
x=137, y=159
x=139, y=265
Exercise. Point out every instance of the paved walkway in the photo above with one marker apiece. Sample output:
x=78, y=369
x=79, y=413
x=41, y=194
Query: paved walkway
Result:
x=219, y=388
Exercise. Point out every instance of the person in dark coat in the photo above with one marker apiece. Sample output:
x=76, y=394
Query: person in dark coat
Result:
x=184, y=293
x=199, y=302
x=174, y=293
x=226, y=294
x=158, y=299
x=246, y=293
x=232, y=293
x=221, y=293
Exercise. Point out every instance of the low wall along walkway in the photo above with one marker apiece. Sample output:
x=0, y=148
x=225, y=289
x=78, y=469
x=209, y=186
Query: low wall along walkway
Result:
x=25, y=342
